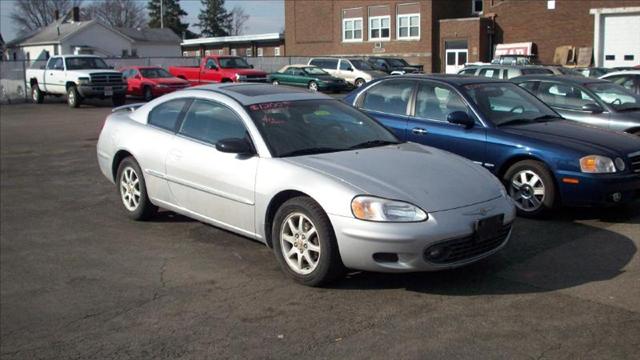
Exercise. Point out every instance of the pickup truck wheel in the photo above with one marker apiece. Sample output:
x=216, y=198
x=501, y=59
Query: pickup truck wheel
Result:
x=147, y=93
x=73, y=98
x=118, y=100
x=36, y=95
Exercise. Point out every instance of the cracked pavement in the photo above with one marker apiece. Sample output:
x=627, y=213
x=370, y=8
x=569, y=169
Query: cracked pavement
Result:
x=78, y=280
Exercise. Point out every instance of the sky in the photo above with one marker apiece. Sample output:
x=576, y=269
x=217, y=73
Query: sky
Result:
x=265, y=16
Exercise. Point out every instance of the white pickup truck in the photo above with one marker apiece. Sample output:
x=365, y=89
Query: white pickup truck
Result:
x=78, y=77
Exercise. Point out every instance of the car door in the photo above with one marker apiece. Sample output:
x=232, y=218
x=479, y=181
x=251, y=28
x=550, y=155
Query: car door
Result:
x=346, y=71
x=209, y=183
x=428, y=124
x=55, y=76
x=134, y=81
x=568, y=100
x=210, y=73
x=299, y=77
x=388, y=102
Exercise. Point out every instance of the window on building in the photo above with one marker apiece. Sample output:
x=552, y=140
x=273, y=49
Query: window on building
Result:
x=628, y=58
x=249, y=52
x=134, y=52
x=276, y=51
x=352, y=29
x=408, y=26
x=379, y=27
x=234, y=52
x=551, y=4
x=56, y=49
x=476, y=7
x=260, y=52
x=125, y=53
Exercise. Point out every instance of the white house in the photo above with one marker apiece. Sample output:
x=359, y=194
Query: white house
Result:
x=70, y=36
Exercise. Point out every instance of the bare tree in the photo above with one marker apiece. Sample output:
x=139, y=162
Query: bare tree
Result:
x=118, y=13
x=238, y=20
x=31, y=15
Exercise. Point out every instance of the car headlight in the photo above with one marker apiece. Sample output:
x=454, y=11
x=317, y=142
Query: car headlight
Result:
x=84, y=81
x=373, y=208
x=240, y=77
x=596, y=164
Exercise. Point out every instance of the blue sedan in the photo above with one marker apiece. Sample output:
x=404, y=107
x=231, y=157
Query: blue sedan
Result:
x=542, y=159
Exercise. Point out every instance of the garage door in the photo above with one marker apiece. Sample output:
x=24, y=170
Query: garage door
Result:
x=621, y=40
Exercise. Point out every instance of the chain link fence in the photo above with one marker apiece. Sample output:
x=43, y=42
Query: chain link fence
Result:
x=14, y=86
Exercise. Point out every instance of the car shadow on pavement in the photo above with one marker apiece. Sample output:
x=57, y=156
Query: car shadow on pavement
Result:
x=628, y=214
x=541, y=256
x=166, y=216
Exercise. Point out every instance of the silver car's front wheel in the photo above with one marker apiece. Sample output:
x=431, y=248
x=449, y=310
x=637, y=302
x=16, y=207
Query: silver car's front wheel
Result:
x=300, y=243
x=304, y=242
x=130, y=189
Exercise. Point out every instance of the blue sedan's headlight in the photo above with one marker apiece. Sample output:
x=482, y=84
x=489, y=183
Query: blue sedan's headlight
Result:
x=596, y=164
x=384, y=210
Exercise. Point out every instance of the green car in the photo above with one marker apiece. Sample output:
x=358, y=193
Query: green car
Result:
x=309, y=76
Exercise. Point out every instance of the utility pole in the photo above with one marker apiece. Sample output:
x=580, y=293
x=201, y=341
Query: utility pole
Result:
x=161, y=15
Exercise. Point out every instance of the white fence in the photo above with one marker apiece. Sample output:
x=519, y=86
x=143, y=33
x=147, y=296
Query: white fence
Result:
x=14, y=87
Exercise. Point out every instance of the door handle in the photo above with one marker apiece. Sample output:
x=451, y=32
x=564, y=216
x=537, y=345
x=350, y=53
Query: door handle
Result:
x=419, y=131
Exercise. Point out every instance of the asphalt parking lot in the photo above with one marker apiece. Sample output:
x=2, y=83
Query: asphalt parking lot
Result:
x=80, y=280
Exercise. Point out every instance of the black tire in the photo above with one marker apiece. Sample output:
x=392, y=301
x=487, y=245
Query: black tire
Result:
x=118, y=100
x=313, y=86
x=73, y=97
x=329, y=264
x=528, y=203
x=36, y=95
x=144, y=209
x=147, y=94
x=275, y=82
x=359, y=82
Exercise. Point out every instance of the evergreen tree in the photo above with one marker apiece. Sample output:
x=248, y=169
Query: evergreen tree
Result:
x=171, y=19
x=214, y=19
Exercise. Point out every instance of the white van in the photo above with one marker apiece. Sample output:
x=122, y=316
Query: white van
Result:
x=356, y=72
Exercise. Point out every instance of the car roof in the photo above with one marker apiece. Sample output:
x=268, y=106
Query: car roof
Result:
x=624, y=72
x=452, y=79
x=503, y=66
x=248, y=93
x=567, y=79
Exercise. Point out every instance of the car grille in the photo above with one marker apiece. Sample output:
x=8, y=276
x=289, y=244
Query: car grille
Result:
x=106, y=79
x=635, y=162
x=456, y=250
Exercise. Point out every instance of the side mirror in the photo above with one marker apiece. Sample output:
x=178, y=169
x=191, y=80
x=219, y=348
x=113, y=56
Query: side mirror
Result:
x=592, y=108
x=138, y=77
x=461, y=118
x=251, y=66
x=235, y=146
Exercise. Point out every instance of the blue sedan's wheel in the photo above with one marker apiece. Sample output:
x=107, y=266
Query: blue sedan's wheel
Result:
x=304, y=242
x=531, y=187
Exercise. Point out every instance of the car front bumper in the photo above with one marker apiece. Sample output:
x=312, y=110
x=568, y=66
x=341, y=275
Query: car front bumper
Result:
x=92, y=91
x=598, y=189
x=400, y=247
x=332, y=86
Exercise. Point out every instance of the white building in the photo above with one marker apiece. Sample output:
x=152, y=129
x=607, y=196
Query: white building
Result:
x=70, y=36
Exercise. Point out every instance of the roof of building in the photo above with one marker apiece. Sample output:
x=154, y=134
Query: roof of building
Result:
x=234, y=39
x=149, y=35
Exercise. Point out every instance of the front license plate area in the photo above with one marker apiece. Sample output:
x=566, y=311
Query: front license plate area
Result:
x=489, y=228
x=108, y=91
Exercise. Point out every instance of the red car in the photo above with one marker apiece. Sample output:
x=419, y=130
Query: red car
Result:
x=151, y=81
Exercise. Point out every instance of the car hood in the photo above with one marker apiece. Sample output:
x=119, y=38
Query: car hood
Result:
x=579, y=137
x=432, y=179
x=247, y=72
x=631, y=116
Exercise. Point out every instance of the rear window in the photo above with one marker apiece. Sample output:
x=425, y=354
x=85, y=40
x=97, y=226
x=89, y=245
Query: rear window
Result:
x=166, y=115
x=389, y=97
x=325, y=63
x=536, y=71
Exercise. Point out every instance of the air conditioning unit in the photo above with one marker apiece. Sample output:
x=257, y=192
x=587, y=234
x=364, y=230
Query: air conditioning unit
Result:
x=378, y=45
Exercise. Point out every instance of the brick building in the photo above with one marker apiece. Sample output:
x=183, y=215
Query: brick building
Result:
x=441, y=33
x=241, y=45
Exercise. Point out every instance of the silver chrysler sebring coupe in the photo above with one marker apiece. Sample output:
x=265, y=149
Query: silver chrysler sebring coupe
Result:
x=324, y=185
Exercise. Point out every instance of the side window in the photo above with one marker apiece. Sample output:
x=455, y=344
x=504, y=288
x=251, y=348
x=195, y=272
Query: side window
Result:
x=565, y=96
x=625, y=81
x=529, y=85
x=435, y=102
x=55, y=64
x=389, y=97
x=211, y=122
x=211, y=64
x=50, y=63
x=345, y=65
x=317, y=63
x=331, y=64
x=470, y=71
x=490, y=73
x=166, y=115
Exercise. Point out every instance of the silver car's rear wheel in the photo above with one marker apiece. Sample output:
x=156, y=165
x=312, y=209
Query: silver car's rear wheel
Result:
x=300, y=243
x=130, y=189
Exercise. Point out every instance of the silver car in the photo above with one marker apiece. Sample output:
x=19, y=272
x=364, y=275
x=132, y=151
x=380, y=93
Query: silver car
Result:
x=320, y=182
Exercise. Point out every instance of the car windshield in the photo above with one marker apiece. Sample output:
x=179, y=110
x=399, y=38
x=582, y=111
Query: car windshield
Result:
x=304, y=127
x=361, y=64
x=398, y=62
x=233, y=63
x=155, y=73
x=619, y=98
x=312, y=70
x=508, y=104
x=81, y=63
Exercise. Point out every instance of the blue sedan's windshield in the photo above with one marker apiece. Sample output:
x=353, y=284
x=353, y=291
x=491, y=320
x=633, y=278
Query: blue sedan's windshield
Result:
x=505, y=103
x=304, y=127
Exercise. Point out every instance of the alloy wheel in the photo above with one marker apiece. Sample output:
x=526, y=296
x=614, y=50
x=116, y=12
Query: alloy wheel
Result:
x=130, y=189
x=313, y=86
x=300, y=243
x=527, y=189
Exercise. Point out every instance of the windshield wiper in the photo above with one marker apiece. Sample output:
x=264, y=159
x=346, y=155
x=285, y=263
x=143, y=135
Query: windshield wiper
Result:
x=373, y=143
x=310, y=151
x=515, y=121
x=545, y=118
